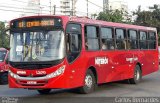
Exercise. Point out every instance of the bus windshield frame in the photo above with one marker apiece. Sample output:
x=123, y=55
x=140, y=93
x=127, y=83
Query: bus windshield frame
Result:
x=2, y=55
x=37, y=33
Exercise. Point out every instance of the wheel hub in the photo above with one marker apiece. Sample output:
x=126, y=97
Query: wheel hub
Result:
x=88, y=81
x=137, y=75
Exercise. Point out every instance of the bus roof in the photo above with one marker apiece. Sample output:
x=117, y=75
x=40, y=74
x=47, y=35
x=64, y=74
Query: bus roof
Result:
x=37, y=16
x=92, y=21
x=110, y=24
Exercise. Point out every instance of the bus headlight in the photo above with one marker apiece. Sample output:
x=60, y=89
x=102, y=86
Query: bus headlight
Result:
x=12, y=74
x=56, y=73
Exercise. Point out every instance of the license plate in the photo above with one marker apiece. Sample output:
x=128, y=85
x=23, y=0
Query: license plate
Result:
x=31, y=82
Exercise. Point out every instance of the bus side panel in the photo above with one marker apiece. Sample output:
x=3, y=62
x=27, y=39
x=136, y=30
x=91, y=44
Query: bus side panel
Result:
x=149, y=61
x=121, y=68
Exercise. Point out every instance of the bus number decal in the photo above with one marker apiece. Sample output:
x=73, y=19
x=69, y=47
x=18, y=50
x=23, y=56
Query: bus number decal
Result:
x=101, y=60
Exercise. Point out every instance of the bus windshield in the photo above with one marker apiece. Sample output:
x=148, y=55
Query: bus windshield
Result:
x=37, y=46
x=2, y=55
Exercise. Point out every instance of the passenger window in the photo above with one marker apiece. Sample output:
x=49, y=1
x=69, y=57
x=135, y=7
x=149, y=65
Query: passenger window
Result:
x=120, y=39
x=143, y=40
x=152, y=40
x=92, y=38
x=107, y=39
x=132, y=39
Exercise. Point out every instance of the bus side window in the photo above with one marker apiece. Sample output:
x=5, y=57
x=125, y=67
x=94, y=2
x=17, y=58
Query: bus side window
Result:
x=107, y=38
x=143, y=40
x=132, y=39
x=120, y=39
x=152, y=40
x=92, y=38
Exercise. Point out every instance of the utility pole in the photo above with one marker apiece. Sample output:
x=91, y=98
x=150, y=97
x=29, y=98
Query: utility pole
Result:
x=40, y=9
x=87, y=8
x=50, y=7
x=72, y=11
x=54, y=9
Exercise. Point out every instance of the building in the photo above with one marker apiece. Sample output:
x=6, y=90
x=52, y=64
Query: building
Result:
x=118, y=5
x=105, y=5
x=65, y=7
x=121, y=6
x=32, y=8
x=62, y=7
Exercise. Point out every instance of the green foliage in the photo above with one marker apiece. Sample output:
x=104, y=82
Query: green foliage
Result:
x=115, y=16
x=4, y=38
x=149, y=18
x=112, y=16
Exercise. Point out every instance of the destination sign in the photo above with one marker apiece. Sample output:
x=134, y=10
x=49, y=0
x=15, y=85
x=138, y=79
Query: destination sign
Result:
x=36, y=22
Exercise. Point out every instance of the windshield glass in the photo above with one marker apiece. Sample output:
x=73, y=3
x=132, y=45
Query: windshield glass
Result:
x=37, y=46
x=2, y=55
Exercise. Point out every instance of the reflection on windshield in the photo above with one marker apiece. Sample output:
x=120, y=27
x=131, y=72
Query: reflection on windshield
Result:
x=2, y=55
x=37, y=46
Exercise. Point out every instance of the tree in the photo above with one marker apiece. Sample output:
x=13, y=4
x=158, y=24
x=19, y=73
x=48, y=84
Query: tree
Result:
x=112, y=16
x=149, y=18
x=4, y=38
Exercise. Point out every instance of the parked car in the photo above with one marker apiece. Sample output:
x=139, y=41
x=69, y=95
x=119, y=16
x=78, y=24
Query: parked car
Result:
x=3, y=66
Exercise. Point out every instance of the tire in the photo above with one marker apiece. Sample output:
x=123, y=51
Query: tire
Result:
x=137, y=75
x=89, y=83
x=44, y=91
x=4, y=78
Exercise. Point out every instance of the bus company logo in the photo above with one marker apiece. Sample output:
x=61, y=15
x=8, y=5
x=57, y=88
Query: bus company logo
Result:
x=21, y=72
x=131, y=60
x=101, y=60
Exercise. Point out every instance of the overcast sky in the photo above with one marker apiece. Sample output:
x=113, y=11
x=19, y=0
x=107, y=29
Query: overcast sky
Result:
x=81, y=6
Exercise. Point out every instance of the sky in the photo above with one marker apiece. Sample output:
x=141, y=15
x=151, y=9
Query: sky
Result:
x=80, y=6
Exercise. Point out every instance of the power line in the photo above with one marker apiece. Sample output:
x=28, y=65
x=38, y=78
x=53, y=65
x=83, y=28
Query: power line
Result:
x=94, y=4
x=27, y=3
x=48, y=9
x=3, y=6
x=81, y=12
x=19, y=11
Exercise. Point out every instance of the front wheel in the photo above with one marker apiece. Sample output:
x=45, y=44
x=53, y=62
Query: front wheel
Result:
x=89, y=83
x=137, y=75
x=44, y=91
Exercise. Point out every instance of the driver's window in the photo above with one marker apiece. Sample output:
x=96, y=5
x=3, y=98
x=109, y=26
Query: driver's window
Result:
x=73, y=41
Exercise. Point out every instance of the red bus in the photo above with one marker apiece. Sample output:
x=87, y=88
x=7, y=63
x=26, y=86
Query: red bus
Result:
x=49, y=52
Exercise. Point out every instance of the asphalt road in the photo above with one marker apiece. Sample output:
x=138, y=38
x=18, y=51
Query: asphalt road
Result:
x=148, y=87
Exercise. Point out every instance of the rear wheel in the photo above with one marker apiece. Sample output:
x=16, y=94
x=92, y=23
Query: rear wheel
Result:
x=89, y=83
x=44, y=91
x=4, y=78
x=137, y=75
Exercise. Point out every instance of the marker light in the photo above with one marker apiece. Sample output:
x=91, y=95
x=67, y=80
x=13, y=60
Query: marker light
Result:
x=12, y=74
